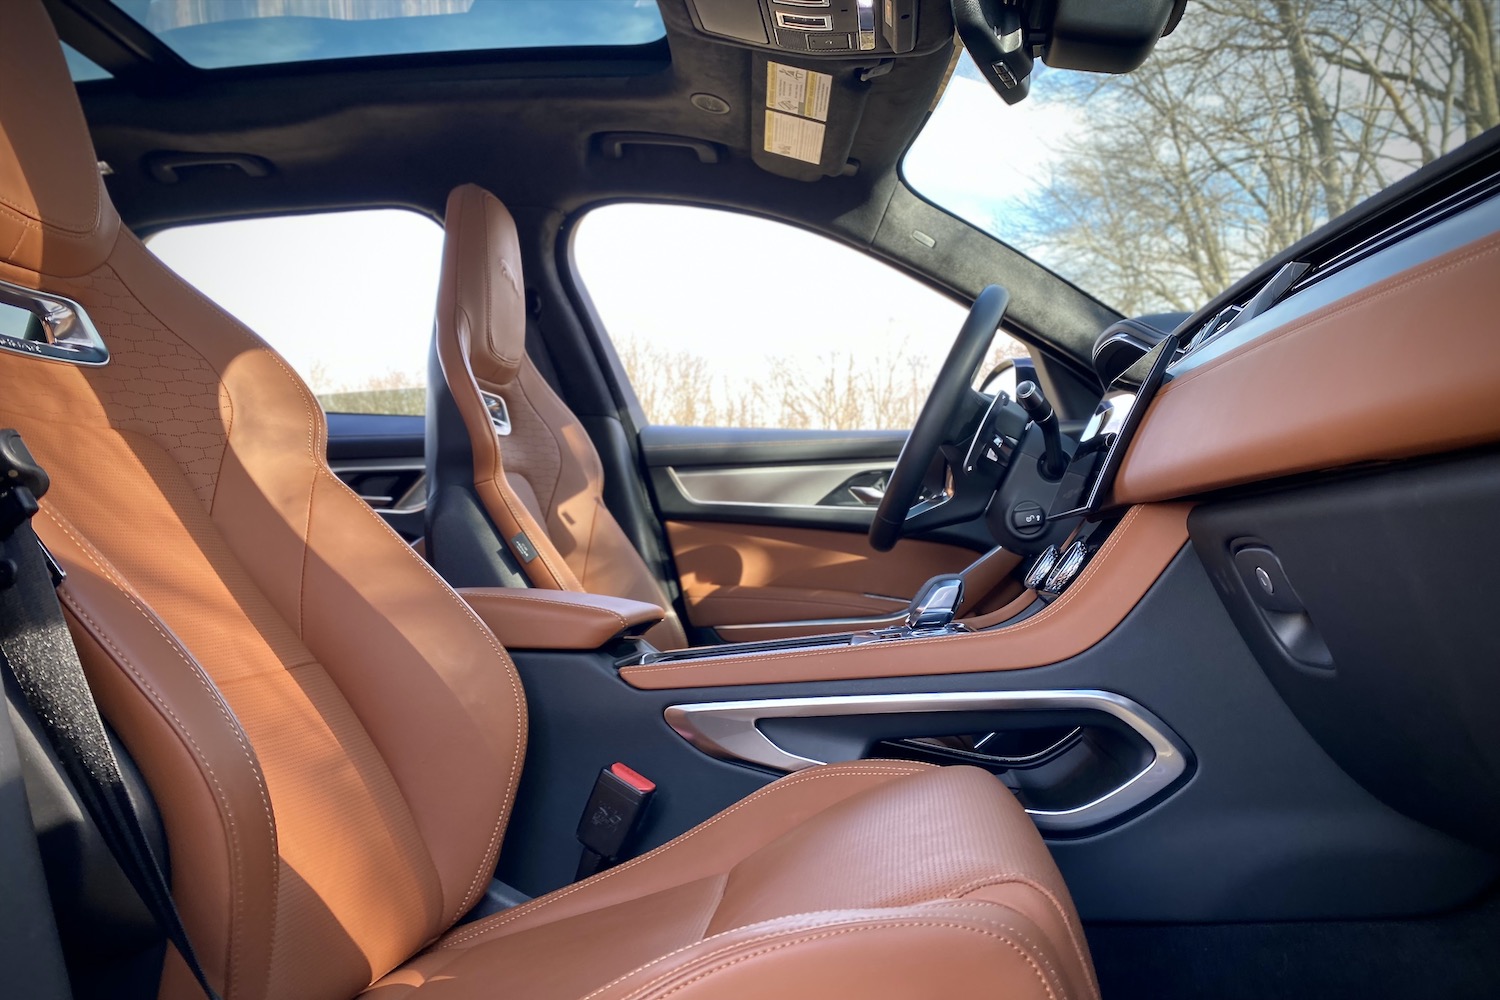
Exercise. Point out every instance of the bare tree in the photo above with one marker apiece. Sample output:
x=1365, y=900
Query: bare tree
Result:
x=1253, y=124
x=834, y=390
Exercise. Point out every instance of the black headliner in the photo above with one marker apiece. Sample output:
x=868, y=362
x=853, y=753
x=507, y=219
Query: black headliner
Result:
x=405, y=130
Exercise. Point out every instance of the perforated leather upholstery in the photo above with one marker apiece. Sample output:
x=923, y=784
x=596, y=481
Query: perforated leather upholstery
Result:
x=334, y=740
x=543, y=479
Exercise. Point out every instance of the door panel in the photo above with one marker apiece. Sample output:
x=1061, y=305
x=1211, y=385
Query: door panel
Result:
x=743, y=574
x=767, y=530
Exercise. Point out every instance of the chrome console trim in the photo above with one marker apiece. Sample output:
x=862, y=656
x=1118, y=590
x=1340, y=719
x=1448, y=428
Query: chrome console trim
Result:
x=730, y=731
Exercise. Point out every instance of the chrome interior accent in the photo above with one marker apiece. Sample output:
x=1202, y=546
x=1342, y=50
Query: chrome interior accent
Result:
x=770, y=485
x=499, y=412
x=730, y=731
x=1041, y=569
x=48, y=326
x=980, y=755
x=1068, y=565
x=827, y=625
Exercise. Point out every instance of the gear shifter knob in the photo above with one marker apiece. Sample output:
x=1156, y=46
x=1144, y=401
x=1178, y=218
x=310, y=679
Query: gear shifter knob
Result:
x=936, y=603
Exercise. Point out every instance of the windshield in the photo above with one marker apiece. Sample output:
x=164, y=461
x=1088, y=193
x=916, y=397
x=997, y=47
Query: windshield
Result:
x=1252, y=124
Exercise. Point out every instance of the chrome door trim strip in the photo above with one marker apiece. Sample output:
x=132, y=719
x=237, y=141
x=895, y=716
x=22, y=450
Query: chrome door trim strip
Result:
x=730, y=731
x=769, y=485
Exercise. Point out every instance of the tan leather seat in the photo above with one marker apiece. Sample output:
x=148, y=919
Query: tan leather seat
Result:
x=542, y=478
x=334, y=739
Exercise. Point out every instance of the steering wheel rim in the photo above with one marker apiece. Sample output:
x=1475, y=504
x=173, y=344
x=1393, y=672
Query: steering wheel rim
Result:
x=931, y=430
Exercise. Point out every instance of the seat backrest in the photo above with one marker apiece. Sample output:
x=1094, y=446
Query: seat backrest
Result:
x=542, y=479
x=332, y=738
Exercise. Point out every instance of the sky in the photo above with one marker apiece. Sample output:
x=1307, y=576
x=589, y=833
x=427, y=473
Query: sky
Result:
x=354, y=292
x=978, y=156
x=216, y=33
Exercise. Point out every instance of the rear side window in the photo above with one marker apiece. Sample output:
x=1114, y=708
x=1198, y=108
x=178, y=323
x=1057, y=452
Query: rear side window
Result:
x=346, y=297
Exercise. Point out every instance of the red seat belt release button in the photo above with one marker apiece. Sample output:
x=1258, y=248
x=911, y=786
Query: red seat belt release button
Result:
x=633, y=778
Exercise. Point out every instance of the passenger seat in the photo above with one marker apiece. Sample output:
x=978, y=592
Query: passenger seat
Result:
x=528, y=460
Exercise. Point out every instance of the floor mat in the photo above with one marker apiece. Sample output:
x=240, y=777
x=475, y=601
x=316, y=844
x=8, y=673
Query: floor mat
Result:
x=1454, y=956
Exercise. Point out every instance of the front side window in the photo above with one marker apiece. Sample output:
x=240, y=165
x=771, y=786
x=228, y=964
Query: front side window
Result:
x=726, y=320
x=1251, y=125
x=346, y=297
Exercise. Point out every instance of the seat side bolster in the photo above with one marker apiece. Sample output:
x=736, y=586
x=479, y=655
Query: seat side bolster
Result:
x=196, y=759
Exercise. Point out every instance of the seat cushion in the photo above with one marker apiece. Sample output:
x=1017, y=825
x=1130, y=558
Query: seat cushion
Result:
x=867, y=879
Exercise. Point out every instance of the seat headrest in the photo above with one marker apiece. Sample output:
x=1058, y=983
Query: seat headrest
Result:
x=481, y=292
x=55, y=216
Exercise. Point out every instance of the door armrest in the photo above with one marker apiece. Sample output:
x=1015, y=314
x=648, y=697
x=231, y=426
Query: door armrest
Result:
x=558, y=619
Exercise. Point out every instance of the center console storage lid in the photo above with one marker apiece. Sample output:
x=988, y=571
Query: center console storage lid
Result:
x=558, y=619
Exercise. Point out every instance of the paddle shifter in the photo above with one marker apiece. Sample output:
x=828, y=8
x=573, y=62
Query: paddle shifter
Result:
x=1029, y=395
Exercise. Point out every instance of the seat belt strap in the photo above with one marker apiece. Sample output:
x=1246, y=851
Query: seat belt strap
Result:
x=38, y=650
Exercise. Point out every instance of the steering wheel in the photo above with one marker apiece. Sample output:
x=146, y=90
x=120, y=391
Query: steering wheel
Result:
x=939, y=423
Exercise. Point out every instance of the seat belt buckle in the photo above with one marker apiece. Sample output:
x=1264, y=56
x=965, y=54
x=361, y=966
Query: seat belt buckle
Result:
x=612, y=817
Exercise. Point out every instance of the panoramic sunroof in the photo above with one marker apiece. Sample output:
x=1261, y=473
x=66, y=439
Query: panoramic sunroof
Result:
x=212, y=34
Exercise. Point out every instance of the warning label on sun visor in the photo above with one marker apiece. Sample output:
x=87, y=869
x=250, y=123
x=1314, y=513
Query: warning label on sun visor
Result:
x=802, y=92
x=788, y=135
x=796, y=108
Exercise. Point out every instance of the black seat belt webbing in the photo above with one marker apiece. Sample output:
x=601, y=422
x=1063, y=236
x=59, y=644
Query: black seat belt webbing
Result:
x=37, y=649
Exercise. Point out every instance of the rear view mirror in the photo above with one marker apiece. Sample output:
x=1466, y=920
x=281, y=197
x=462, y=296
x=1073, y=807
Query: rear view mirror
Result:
x=1095, y=36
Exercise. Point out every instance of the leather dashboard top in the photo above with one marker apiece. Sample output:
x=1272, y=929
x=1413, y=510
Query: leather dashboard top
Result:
x=1407, y=366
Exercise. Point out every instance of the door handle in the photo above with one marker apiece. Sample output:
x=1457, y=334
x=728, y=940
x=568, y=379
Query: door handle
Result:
x=870, y=496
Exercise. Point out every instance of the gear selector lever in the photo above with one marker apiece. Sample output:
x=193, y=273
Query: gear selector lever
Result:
x=936, y=603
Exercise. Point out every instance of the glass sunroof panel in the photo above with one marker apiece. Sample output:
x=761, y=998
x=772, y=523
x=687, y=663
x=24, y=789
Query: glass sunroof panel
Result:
x=81, y=68
x=212, y=34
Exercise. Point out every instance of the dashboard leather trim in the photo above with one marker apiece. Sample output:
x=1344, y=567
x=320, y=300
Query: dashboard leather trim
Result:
x=1406, y=367
x=1110, y=586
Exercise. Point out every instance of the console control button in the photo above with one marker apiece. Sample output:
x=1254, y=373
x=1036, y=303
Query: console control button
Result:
x=1068, y=565
x=1027, y=517
x=1037, y=574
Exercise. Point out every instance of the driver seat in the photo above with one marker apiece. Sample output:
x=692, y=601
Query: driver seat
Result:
x=530, y=464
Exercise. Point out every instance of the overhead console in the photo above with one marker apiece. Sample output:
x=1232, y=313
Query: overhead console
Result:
x=829, y=27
